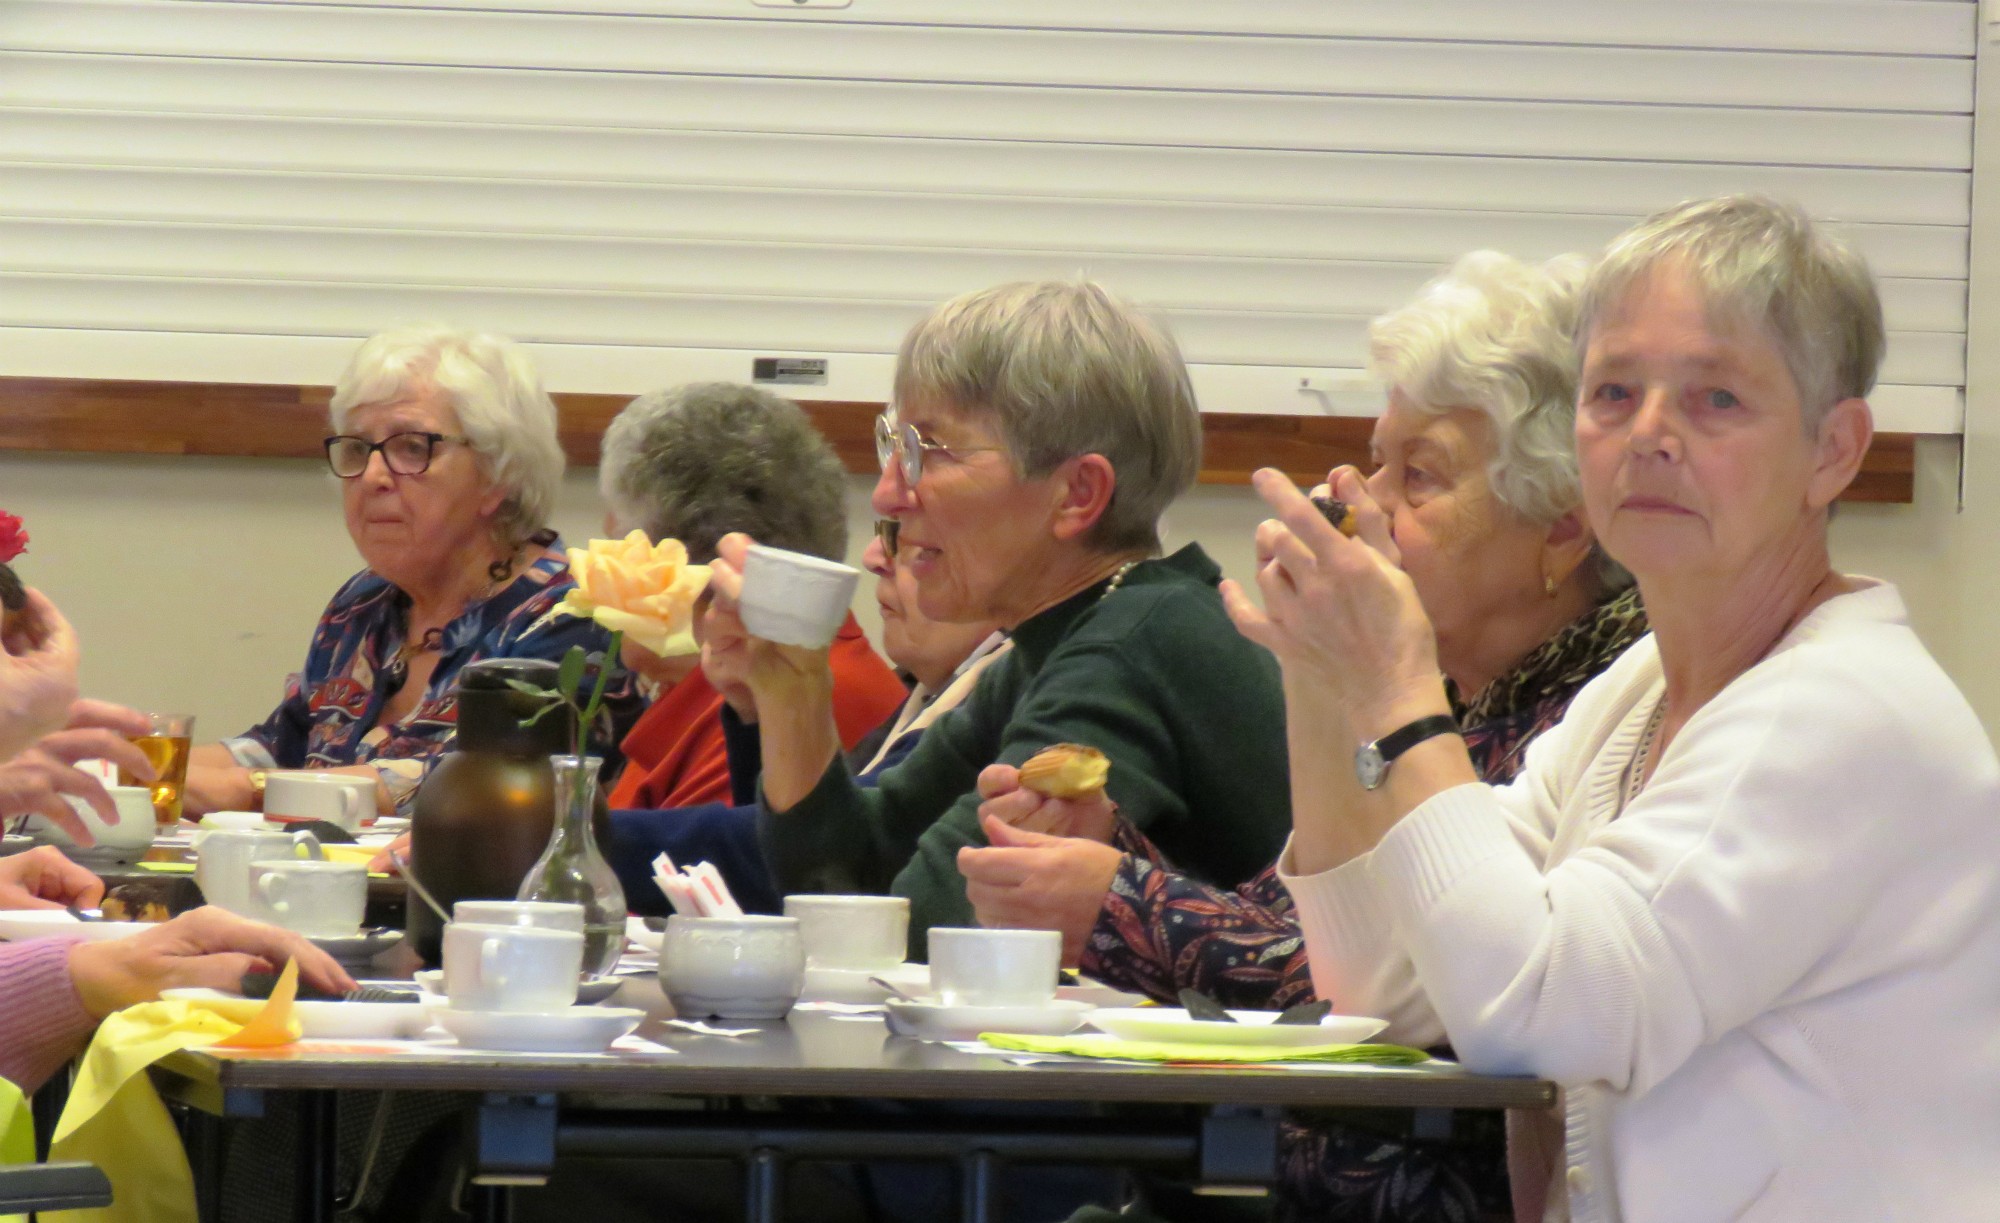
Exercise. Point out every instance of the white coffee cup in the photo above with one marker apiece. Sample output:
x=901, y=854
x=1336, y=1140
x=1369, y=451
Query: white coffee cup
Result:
x=546, y=914
x=133, y=831
x=795, y=599
x=511, y=968
x=973, y=967
x=233, y=819
x=310, y=896
x=311, y=794
x=852, y=931
x=222, y=864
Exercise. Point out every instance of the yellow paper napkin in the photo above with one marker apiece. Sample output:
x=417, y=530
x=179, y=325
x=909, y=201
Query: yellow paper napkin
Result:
x=17, y=1134
x=115, y=1119
x=1182, y=1051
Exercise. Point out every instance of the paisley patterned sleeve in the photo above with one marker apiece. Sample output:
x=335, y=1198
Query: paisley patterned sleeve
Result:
x=1160, y=930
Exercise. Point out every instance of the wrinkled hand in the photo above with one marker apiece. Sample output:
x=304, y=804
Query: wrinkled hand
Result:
x=206, y=947
x=1338, y=613
x=38, y=659
x=42, y=878
x=384, y=860
x=781, y=672
x=36, y=781
x=217, y=787
x=1028, y=881
x=725, y=658
x=1007, y=801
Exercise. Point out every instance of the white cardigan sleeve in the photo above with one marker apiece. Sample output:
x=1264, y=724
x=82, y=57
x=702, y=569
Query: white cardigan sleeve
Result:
x=1358, y=962
x=1774, y=818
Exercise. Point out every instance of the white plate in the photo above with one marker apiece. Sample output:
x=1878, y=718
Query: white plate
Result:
x=936, y=1021
x=357, y=947
x=589, y=991
x=19, y=924
x=15, y=843
x=851, y=985
x=580, y=1029
x=325, y=1019
x=1250, y=1028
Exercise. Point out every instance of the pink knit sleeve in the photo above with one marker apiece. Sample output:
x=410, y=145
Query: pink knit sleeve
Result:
x=42, y=1022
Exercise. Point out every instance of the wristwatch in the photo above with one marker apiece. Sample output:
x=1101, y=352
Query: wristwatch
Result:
x=1372, y=760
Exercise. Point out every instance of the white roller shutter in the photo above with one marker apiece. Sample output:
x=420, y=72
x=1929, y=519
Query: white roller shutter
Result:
x=661, y=189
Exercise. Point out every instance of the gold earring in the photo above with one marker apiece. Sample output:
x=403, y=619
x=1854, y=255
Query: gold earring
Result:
x=1549, y=585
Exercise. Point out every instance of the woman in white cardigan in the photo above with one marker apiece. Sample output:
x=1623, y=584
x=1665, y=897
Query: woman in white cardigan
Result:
x=1743, y=903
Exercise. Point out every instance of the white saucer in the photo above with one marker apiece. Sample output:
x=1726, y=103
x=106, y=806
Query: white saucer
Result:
x=19, y=924
x=852, y=986
x=15, y=843
x=936, y=1021
x=359, y=947
x=589, y=991
x=325, y=1019
x=580, y=1029
x=1251, y=1028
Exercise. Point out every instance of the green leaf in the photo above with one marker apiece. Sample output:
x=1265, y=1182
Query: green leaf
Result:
x=535, y=690
x=541, y=713
x=571, y=673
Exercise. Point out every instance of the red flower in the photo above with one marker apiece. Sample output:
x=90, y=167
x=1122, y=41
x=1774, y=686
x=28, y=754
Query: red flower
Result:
x=13, y=540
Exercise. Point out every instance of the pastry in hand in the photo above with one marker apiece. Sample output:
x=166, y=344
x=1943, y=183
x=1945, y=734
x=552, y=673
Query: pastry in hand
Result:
x=1339, y=513
x=1066, y=770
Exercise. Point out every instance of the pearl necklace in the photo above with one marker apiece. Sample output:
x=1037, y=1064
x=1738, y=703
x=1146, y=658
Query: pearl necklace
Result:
x=1118, y=579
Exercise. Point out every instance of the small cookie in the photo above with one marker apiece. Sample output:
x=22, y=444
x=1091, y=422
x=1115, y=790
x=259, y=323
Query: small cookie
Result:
x=1066, y=770
x=1339, y=513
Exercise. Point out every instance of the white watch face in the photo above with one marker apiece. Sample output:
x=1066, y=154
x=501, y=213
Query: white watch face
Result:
x=1369, y=766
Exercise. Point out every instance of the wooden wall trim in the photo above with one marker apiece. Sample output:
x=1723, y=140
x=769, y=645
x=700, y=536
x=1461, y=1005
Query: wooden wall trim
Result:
x=102, y=416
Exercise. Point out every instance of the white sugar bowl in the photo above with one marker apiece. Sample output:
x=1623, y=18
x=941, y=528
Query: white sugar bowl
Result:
x=732, y=967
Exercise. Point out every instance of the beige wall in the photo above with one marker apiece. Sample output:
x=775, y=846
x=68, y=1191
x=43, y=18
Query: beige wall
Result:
x=195, y=582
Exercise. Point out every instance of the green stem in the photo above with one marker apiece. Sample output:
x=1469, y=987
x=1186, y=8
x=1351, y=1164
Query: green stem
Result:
x=580, y=733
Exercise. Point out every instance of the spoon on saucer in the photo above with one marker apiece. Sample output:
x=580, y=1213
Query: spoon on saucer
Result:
x=896, y=991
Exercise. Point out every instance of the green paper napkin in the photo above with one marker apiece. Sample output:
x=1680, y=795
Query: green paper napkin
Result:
x=1183, y=1051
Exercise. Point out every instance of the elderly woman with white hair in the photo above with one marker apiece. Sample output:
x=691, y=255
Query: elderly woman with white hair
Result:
x=445, y=445
x=1743, y=901
x=1475, y=474
x=1038, y=432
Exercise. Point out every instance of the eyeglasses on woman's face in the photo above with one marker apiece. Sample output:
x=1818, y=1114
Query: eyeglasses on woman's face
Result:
x=900, y=443
x=407, y=454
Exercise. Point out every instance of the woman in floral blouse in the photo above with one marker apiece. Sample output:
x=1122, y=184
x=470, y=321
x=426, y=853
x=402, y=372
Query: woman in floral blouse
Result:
x=445, y=446
x=1477, y=476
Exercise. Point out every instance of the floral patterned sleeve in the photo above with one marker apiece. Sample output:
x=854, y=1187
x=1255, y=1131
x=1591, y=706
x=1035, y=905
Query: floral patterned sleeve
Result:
x=1160, y=930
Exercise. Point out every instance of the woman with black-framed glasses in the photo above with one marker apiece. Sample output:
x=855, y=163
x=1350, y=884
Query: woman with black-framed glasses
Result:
x=445, y=446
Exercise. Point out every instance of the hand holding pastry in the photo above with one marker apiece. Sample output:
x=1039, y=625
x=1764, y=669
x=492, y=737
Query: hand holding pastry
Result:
x=1066, y=770
x=1091, y=815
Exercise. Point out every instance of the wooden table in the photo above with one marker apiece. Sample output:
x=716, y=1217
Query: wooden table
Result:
x=526, y=1112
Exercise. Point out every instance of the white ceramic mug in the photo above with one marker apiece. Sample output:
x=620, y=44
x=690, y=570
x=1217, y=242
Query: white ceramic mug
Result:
x=973, y=967
x=547, y=914
x=214, y=820
x=310, y=896
x=133, y=833
x=795, y=599
x=732, y=967
x=222, y=864
x=311, y=794
x=511, y=968
x=855, y=932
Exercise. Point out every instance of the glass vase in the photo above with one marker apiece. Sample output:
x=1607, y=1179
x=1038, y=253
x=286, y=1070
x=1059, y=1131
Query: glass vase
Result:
x=572, y=870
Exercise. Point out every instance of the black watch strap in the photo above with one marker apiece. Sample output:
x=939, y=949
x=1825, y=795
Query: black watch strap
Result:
x=1371, y=763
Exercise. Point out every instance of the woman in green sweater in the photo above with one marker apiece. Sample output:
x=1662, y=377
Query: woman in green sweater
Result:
x=1038, y=432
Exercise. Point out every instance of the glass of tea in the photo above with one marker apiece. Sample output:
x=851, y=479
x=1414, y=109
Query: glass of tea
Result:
x=166, y=745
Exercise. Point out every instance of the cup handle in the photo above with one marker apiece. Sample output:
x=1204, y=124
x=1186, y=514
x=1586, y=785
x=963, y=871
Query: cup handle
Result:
x=351, y=812
x=271, y=888
x=307, y=842
x=491, y=953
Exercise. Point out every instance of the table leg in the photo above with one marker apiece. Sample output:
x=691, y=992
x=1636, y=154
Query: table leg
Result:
x=979, y=1187
x=318, y=1156
x=490, y=1203
x=764, y=1189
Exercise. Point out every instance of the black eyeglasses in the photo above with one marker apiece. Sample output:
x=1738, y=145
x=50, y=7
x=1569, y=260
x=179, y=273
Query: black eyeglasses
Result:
x=407, y=454
x=889, y=531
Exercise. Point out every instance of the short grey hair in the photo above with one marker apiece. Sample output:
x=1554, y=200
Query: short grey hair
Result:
x=1064, y=369
x=498, y=396
x=1496, y=335
x=1764, y=265
x=696, y=462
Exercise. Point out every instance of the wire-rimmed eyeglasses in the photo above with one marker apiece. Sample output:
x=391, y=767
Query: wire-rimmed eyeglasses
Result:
x=900, y=442
x=407, y=454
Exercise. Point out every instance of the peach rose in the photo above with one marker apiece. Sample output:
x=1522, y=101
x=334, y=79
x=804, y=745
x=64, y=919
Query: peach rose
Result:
x=639, y=588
